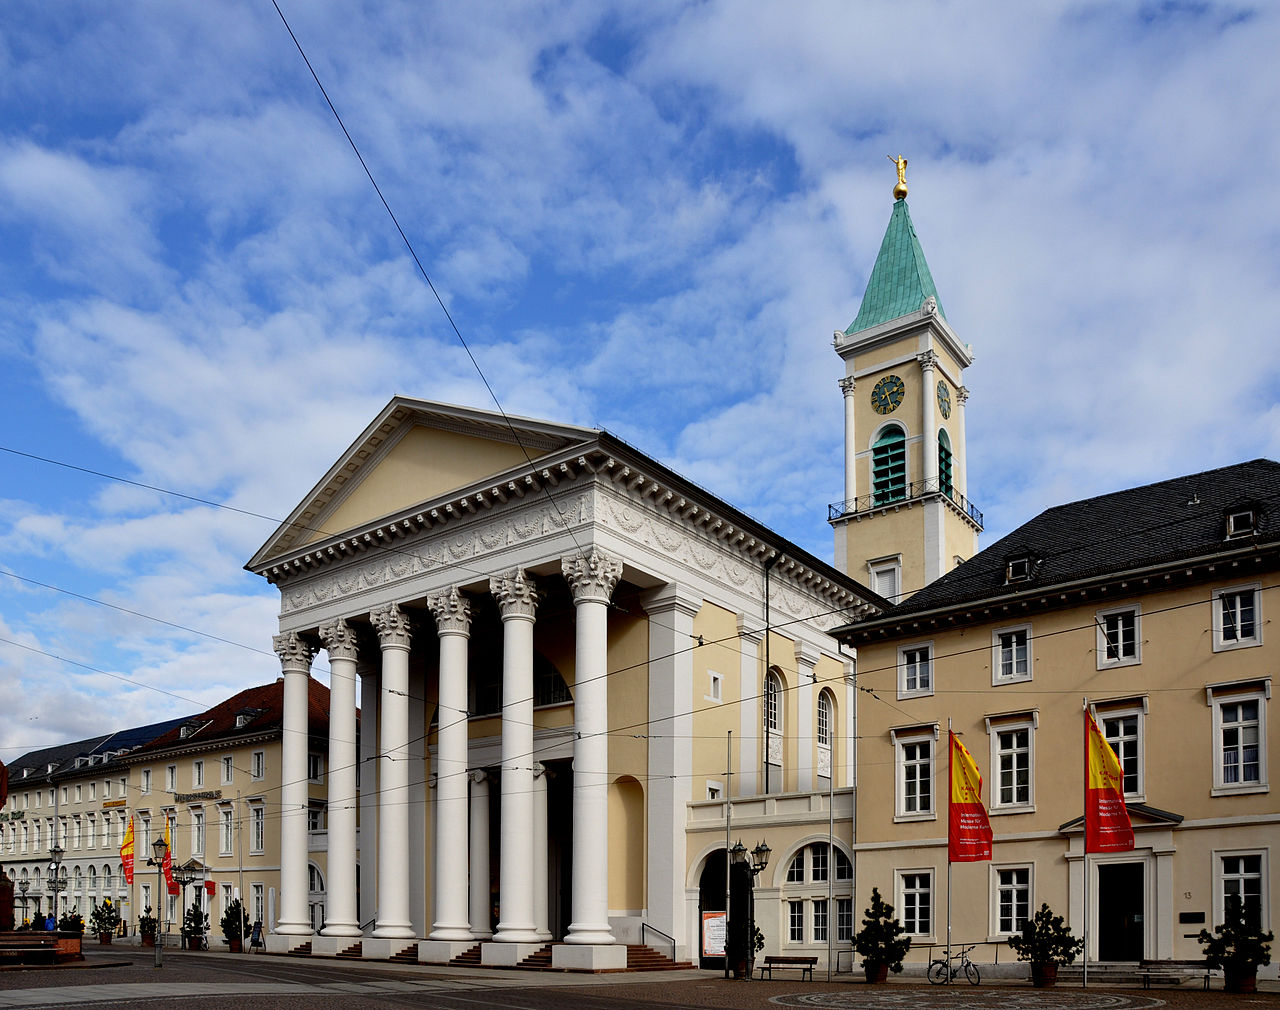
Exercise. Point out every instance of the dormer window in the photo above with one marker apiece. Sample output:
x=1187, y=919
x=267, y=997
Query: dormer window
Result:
x=246, y=716
x=191, y=728
x=1241, y=523
x=1018, y=569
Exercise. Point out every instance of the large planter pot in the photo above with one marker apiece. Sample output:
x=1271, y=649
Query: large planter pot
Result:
x=148, y=939
x=235, y=946
x=876, y=973
x=104, y=937
x=1043, y=975
x=1242, y=979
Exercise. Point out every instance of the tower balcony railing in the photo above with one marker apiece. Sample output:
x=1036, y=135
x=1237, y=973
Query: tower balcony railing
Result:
x=904, y=494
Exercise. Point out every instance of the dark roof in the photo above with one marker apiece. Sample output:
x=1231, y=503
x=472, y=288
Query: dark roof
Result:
x=63, y=756
x=1143, y=527
x=265, y=707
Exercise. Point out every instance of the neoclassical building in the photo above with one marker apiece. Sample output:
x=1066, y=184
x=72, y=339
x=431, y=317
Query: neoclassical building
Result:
x=557, y=648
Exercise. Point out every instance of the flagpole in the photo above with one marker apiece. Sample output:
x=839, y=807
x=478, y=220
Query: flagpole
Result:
x=950, y=800
x=1084, y=824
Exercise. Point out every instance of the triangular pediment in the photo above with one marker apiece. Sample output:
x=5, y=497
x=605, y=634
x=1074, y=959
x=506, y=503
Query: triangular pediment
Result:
x=414, y=452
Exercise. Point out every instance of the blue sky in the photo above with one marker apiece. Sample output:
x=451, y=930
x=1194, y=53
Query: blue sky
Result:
x=646, y=217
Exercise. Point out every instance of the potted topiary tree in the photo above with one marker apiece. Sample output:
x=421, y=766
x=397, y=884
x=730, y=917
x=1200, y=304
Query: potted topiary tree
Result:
x=71, y=922
x=1238, y=946
x=194, y=926
x=1046, y=942
x=147, y=927
x=235, y=925
x=880, y=940
x=104, y=918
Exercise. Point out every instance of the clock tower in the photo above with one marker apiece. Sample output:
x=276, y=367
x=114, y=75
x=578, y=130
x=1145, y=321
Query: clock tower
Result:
x=905, y=519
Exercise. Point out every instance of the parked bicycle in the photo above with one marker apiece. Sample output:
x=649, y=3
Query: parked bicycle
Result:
x=942, y=970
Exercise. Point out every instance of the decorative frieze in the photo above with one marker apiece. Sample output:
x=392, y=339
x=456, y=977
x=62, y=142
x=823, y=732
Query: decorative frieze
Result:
x=392, y=625
x=592, y=576
x=451, y=610
x=516, y=593
x=295, y=652
x=339, y=639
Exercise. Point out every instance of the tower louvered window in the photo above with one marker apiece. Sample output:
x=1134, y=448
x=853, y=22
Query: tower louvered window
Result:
x=944, y=464
x=889, y=466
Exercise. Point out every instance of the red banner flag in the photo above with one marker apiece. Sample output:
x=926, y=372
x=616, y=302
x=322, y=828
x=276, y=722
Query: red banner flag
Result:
x=969, y=833
x=126, y=853
x=1106, y=819
x=167, y=863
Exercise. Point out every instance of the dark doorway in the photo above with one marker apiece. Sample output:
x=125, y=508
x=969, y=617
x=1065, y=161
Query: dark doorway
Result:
x=1120, y=919
x=711, y=899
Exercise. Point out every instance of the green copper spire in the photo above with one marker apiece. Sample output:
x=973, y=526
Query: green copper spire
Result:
x=900, y=280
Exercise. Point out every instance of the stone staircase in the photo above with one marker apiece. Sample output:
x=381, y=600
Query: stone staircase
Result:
x=643, y=958
x=539, y=960
x=469, y=958
x=352, y=953
x=1104, y=973
x=302, y=950
x=407, y=956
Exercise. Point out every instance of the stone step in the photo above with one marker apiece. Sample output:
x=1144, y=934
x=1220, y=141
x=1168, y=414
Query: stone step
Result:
x=407, y=956
x=352, y=953
x=469, y=958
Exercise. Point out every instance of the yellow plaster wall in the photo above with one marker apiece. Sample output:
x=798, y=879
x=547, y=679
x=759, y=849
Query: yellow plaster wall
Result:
x=424, y=463
x=712, y=722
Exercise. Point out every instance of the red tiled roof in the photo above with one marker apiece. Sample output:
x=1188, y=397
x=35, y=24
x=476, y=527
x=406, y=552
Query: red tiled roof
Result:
x=219, y=722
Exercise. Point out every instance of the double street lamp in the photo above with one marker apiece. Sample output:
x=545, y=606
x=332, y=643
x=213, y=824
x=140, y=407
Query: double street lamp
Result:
x=23, y=887
x=158, y=850
x=57, y=878
x=755, y=865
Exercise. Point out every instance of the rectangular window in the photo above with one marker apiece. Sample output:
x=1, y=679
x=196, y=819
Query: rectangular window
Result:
x=257, y=828
x=1013, y=767
x=1240, y=742
x=256, y=903
x=1118, y=640
x=146, y=780
x=886, y=578
x=93, y=791
x=171, y=778
x=795, y=922
x=1241, y=880
x=143, y=842
x=915, y=670
x=915, y=776
x=715, y=687
x=916, y=902
x=1240, y=736
x=818, y=853
x=844, y=920
x=226, y=897
x=226, y=831
x=844, y=866
x=1236, y=620
x=795, y=872
x=315, y=817
x=820, y=921
x=197, y=774
x=1123, y=732
x=1011, y=654
x=714, y=790
x=106, y=831
x=197, y=832
x=79, y=794
x=146, y=898
x=1013, y=899
x=258, y=765
x=228, y=770
x=315, y=770
x=106, y=789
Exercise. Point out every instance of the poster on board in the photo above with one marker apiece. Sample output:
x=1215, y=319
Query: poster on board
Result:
x=714, y=926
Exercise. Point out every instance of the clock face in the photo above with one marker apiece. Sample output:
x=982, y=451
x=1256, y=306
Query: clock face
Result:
x=887, y=394
x=944, y=399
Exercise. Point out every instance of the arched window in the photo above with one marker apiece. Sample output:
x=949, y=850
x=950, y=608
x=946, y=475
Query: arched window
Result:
x=944, y=464
x=826, y=710
x=889, y=466
x=773, y=728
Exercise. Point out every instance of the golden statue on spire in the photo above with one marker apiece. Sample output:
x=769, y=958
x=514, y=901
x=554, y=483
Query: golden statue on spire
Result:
x=900, y=190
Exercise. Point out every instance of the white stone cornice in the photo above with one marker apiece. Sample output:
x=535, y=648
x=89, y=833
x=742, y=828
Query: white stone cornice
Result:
x=295, y=652
x=592, y=576
x=339, y=639
x=749, y=632
x=392, y=625
x=451, y=610
x=516, y=593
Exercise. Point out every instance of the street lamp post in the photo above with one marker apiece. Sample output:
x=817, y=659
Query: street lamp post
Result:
x=158, y=849
x=23, y=886
x=57, y=878
x=759, y=860
x=182, y=877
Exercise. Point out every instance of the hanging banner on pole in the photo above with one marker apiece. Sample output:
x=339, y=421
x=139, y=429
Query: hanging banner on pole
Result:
x=126, y=853
x=1106, y=818
x=969, y=831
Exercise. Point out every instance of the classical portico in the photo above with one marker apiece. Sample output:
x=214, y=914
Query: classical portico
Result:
x=513, y=600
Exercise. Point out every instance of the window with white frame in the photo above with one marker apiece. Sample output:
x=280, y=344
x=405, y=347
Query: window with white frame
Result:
x=146, y=780
x=144, y=834
x=773, y=726
x=258, y=765
x=886, y=577
x=171, y=778
x=1240, y=736
x=1012, y=762
x=715, y=687
x=1122, y=729
x=914, y=753
x=818, y=862
x=93, y=791
x=844, y=920
x=795, y=922
x=1013, y=898
x=197, y=774
x=824, y=720
x=1119, y=638
x=915, y=670
x=315, y=768
x=228, y=769
x=1237, y=621
x=79, y=794
x=1241, y=878
x=256, y=903
x=1011, y=654
x=197, y=832
x=106, y=790
x=915, y=900
x=844, y=866
x=226, y=831
x=795, y=872
x=257, y=828
x=715, y=790
x=315, y=816
x=146, y=898
x=820, y=921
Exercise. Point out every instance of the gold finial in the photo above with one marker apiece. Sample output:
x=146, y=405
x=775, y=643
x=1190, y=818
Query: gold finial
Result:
x=900, y=190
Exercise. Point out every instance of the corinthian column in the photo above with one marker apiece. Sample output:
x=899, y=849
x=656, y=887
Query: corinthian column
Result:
x=480, y=909
x=928, y=363
x=340, y=894
x=295, y=661
x=517, y=599
x=847, y=386
x=393, y=800
x=591, y=579
x=452, y=612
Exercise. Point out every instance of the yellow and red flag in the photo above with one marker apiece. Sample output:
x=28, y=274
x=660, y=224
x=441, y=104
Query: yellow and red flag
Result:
x=167, y=863
x=969, y=832
x=126, y=853
x=1106, y=818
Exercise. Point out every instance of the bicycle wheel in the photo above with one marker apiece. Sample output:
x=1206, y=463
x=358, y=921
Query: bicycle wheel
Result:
x=971, y=973
x=938, y=972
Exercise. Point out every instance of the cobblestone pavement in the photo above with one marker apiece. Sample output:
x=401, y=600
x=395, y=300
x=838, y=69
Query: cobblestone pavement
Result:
x=125, y=977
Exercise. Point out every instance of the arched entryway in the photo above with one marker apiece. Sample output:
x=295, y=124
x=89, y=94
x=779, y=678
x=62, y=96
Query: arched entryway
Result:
x=711, y=895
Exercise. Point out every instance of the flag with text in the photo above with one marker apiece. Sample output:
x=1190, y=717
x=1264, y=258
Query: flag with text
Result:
x=1106, y=818
x=126, y=853
x=969, y=831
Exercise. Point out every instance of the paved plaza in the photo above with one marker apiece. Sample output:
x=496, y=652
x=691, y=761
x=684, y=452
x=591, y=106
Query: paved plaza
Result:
x=125, y=977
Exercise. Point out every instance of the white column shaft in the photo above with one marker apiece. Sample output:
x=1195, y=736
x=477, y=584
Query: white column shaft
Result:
x=480, y=893
x=393, y=800
x=340, y=887
x=370, y=691
x=929, y=442
x=515, y=855
x=452, y=920
x=850, y=443
x=541, y=910
x=295, y=657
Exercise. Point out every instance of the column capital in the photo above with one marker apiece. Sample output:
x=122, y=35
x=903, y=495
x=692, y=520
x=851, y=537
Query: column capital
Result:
x=392, y=625
x=295, y=652
x=928, y=360
x=591, y=577
x=962, y=394
x=516, y=593
x=451, y=610
x=847, y=385
x=478, y=775
x=339, y=639
x=750, y=633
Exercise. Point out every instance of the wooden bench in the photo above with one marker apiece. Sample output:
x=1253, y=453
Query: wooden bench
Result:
x=1181, y=969
x=804, y=965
